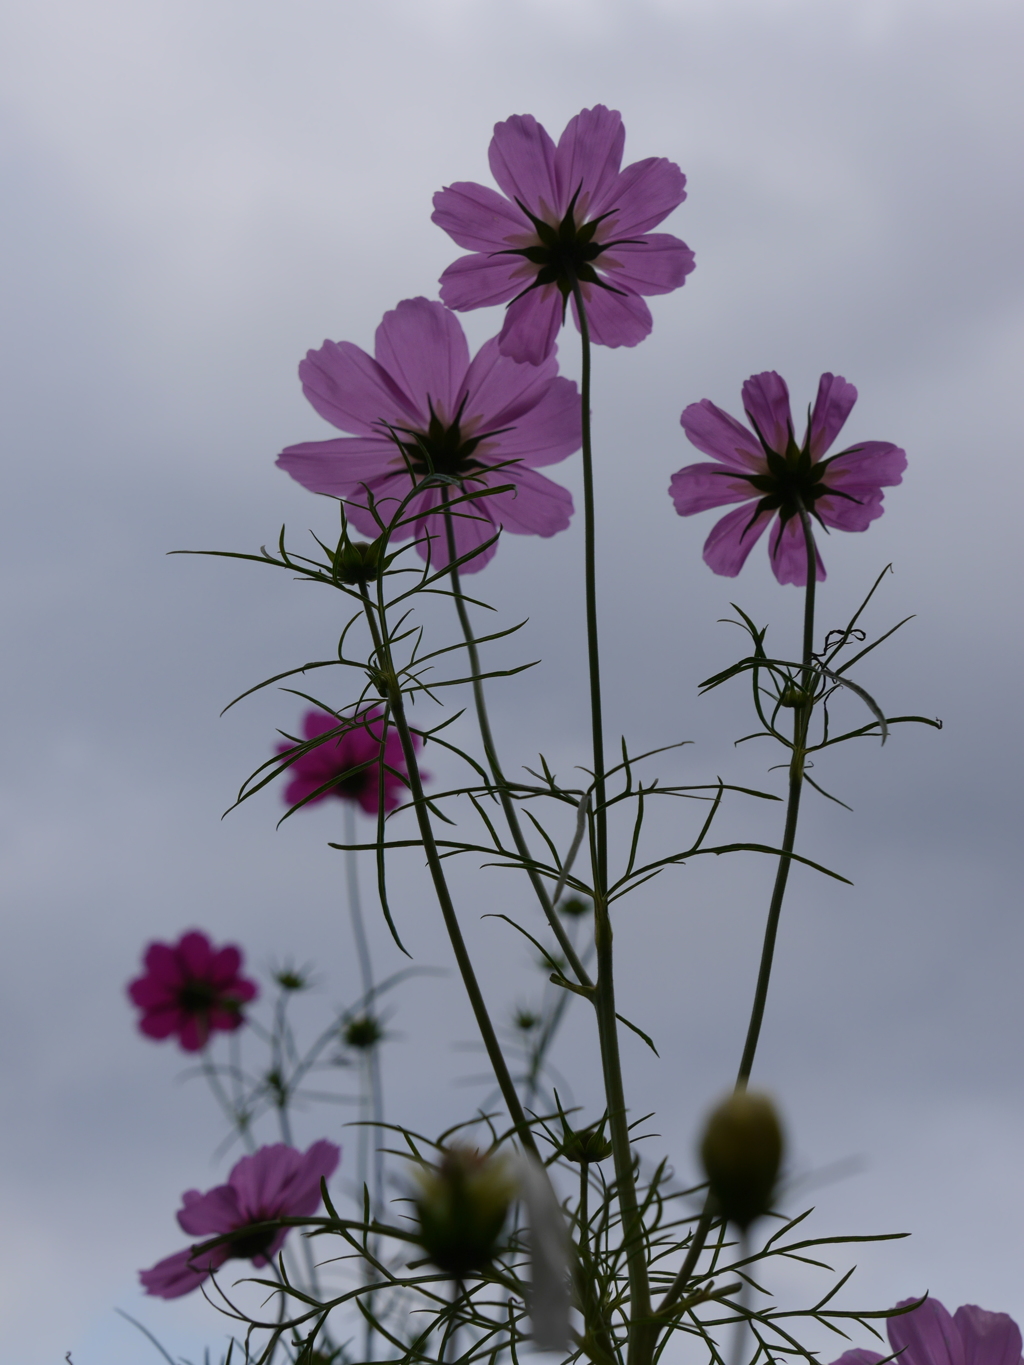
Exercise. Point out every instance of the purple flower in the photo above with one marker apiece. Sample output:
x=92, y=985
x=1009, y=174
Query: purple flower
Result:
x=568, y=212
x=337, y=758
x=192, y=989
x=275, y=1182
x=766, y=467
x=486, y=422
x=929, y=1336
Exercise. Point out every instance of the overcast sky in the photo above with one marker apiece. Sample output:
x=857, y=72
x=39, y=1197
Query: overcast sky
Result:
x=197, y=193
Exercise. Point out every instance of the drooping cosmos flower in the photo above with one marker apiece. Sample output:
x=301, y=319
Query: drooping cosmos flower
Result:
x=769, y=473
x=929, y=1336
x=422, y=405
x=566, y=213
x=333, y=758
x=275, y=1182
x=192, y=989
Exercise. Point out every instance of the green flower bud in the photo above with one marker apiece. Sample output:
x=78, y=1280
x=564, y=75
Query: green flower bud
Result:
x=741, y=1152
x=793, y=696
x=589, y=1144
x=359, y=561
x=462, y=1206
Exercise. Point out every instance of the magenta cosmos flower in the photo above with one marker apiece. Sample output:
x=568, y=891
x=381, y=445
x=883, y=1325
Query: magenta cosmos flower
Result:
x=567, y=213
x=486, y=423
x=929, y=1336
x=192, y=989
x=769, y=473
x=275, y=1182
x=352, y=762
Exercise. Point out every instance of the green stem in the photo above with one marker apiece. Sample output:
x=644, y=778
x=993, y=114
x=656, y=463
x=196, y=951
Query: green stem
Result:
x=444, y=900
x=641, y=1337
x=491, y=753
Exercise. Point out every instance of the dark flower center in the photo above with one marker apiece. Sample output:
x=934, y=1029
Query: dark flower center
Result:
x=443, y=448
x=251, y=1244
x=565, y=250
x=792, y=480
x=198, y=997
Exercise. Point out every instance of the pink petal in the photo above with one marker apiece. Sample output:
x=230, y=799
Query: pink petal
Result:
x=549, y=432
x=351, y=391
x=655, y=264
x=149, y=993
x=224, y=965
x=422, y=346
x=844, y=514
x=522, y=161
x=193, y=1032
x=481, y=280
x=927, y=1336
x=538, y=507
x=787, y=551
x=588, y=156
x=831, y=408
x=479, y=218
x=162, y=963
x=766, y=401
x=302, y=1195
x=615, y=319
x=722, y=437
x=988, y=1338
x=531, y=326
x=176, y=1275
x=339, y=468
x=641, y=196
x=209, y=1214
x=699, y=487
x=732, y=539
x=389, y=493
x=195, y=953
x=259, y=1182
x=871, y=464
x=161, y=1023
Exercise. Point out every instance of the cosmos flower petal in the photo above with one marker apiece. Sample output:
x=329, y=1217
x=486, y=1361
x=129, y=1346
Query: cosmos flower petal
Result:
x=732, y=539
x=642, y=196
x=190, y=989
x=868, y=465
x=352, y=758
x=855, y=512
x=927, y=1336
x=589, y=155
x=481, y=280
x=988, y=1338
x=766, y=402
x=654, y=264
x=471, y=527
x=423, y=349
x=351, y=391
x=479, y=218
x=832, y=406
x=522, y=161
x=339, y=468
x=531, y=325
x=209, y=1214
x=179, y=1274
x=787, y=551
x=722, y=437
x=537, y=507
x=615, y=319
x=699, y=487
x=859, y=1357
x=541, y=409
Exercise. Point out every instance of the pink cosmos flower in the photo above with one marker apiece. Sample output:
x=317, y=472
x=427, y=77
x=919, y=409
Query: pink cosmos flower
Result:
x=275, y=1182
x=337, y=759
x=568, y=212
x=929, y=1336
x=486, y=423
x=192, y=989
x=765, y=467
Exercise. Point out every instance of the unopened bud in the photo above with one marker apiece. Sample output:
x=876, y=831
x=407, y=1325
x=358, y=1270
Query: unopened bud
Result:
x=462, y=1205
x=741, y=1151
x=363, y=1032
x=589, y=1144
x=793, y=696
x=359, y=561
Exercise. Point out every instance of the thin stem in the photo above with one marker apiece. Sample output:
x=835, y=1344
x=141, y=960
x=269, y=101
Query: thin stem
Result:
x=801, y=720
x=491, y=753
x=642, y=1330
x=444, y=900
x=355, y=907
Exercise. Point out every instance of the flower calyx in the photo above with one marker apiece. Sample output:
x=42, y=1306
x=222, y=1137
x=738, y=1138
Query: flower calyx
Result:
x=356, y=562
x=462, y=1204
x=584, y=1145
x=742, y=1151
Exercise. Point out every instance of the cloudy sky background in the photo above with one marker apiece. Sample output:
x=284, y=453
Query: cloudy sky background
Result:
x=197, y=193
